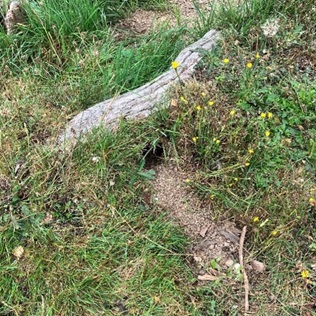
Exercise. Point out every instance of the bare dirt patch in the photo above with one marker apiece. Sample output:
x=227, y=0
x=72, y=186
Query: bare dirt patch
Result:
x=211, y=242
x=187, y=8
x=141, y=21
x=4, y=183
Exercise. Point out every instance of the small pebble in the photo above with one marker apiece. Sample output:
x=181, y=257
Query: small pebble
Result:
x=229, y=263
x=258, y=266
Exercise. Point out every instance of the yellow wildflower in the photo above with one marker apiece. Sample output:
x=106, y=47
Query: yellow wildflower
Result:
x=182, y=99
x=175, y=64
x=215, y=140
x=312, y=201
x=210, y=103
x=187, y=180
x=247, y=164
x=236, y=179
x=256, y=219
x=305, y=274
x=225, y=60
x=249, y=65
x=232, y=112
x=203, y=94
x=198, y=107
x=250, y=151
x=267, y=133
x=270, y=115
x=257, y=55
x=212, y=196
x=195, y=139
x=263, y=115
x=274, y=232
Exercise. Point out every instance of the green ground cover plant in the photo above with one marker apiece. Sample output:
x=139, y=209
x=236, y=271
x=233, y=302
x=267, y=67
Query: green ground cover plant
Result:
x=77, y=236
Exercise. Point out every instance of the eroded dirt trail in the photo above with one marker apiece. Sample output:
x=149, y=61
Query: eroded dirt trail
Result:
x=210, y=241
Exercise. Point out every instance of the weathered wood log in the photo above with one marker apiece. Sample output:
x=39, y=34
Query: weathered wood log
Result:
x=140, y=102
x=14, y=16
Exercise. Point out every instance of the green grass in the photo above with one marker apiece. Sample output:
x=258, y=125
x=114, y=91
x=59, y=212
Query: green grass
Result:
x=92, y=244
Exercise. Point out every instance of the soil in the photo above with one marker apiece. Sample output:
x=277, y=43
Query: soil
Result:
x=210, y=242
x=141, y=21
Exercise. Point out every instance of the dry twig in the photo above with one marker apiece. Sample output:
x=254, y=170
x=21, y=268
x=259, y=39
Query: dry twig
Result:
x=241, y=262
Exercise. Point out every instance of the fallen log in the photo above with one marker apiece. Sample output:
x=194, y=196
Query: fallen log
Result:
x=15, y=15
x=138, y=103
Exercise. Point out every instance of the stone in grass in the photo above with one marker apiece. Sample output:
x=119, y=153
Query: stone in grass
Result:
x=258, y=266
x=229, y=263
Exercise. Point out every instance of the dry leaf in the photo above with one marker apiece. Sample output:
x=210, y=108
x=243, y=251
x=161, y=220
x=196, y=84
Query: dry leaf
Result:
x=18, y=252
x=48, y=218
x=174, y=102
x=207, y=277
x=197, y=259
x=204, y=230
x=18, y=166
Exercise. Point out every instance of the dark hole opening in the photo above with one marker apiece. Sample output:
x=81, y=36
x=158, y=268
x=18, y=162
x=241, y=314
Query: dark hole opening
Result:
x=153, y=154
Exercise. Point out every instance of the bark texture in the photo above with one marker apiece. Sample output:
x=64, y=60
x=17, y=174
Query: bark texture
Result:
x=14, y=16
x=140, y=102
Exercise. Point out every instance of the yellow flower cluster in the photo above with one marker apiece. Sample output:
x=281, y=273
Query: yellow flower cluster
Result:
x=264, y=115
x=216, y=141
